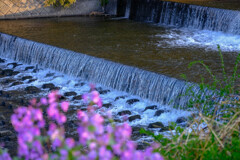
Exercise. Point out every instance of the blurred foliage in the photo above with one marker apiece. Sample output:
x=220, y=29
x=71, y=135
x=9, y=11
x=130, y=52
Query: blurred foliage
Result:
x=67, y=3
x=56, y=3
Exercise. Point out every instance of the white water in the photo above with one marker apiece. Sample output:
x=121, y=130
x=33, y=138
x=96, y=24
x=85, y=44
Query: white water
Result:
x=67, y=83
x=148, y=85
x=187, y=16
x=199, y=39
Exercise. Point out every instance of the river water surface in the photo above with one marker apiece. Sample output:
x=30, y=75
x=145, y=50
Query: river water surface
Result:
x=161, y=49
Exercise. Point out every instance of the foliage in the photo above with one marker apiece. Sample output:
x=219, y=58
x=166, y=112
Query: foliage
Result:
x=214, y=133
x=208, y=95
x=67, y=3
x=104, y=2
x=205, y=139
x=44, y=138
x=56, y=3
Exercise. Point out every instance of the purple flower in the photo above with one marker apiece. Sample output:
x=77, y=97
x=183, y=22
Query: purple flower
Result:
x=22, y=148
x=104, y=154
x=56, y=143
x=44, y=101
x=156, y=156
x=85, y=97
x=5, y=156
x=127, y=155
x=70, y=142
x=92, y=155
x=139, y=155
x=97, y=122
x=63, y=154
x=117, y=148
x=101, y=142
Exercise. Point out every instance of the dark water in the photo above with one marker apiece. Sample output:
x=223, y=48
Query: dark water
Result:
x=147, y=46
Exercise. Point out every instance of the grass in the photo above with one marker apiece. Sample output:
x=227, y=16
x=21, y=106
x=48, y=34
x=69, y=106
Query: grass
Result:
x=214, y=133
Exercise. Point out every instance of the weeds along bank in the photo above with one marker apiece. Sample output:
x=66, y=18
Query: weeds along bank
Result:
x=211, y=134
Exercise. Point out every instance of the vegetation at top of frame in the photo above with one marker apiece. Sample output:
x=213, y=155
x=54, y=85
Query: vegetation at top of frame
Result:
x=56, y=3
x=67, y=3
x=213, y=133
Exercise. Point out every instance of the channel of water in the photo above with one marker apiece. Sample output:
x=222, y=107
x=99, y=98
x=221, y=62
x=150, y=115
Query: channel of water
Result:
x=147, y=54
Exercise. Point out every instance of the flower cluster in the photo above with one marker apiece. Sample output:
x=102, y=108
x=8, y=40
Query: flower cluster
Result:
x=43, y=139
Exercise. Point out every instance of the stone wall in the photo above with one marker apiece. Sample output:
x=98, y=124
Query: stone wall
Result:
x=14, y=9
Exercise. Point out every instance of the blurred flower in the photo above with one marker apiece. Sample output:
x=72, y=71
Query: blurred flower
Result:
x=64, y=106
x=103, y=142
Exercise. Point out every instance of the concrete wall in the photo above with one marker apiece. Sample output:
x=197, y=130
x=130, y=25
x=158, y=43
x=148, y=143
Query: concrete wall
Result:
x=14, y=9
x=111, y=7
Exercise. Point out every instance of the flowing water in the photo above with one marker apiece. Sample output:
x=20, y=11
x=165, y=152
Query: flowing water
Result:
x=179, y=35
x=150, y=47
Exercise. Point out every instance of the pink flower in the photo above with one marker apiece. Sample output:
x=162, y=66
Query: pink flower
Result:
x=61, y=118
x=53, y=97
x=33, y=102
x=82, y=116
x=96, y=98
x=92, y=145
x=64, y=106
x=52, y=110
x=92, y=86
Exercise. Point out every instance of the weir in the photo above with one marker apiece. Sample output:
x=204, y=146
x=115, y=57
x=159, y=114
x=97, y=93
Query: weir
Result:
x=148, y=85
x=184, y=15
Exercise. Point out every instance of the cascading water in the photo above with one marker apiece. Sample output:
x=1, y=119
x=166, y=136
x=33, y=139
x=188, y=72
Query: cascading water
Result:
x=185, y=15
x=149, y=85
x=128, y=8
